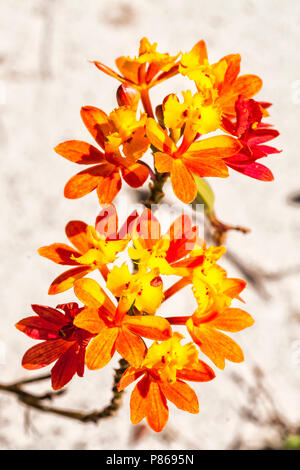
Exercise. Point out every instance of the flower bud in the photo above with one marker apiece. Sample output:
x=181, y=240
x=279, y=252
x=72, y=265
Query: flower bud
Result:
x=128, y=96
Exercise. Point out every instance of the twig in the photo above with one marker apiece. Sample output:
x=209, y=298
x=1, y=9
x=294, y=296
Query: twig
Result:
x=36, y=401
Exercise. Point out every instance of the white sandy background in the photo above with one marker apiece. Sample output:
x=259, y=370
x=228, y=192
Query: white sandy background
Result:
x=45, y=78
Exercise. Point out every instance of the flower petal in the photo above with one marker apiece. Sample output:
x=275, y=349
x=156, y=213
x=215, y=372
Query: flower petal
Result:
x=65, y=368
x=101, y=349
x=182, y=395
x=108, y=187
x=216, y=345
x=88, y=319
x=201, y=372
x=60, y=254
x=254, y=170
x=130, y=375
x=96, y=122
x=183, y=183
x=157, y=412
x=138, y=400
x=87, y=180
x=50, y=314
x=135, y=175
x=233, y=319
x=131, y=347
x=90, y=293
x=220, y=146
x=66, y=280
x=247, y=85
x=76, y=233
x=38, y=328
x=79, y=152
x=159, y=138
x=44, y=353
x=148, y=326
x=163, y=162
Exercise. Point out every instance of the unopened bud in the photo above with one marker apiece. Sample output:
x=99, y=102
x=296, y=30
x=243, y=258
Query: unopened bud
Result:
x=128, y=96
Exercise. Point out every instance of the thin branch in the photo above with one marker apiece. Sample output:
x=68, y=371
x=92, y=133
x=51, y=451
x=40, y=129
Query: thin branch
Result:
x=37, y=401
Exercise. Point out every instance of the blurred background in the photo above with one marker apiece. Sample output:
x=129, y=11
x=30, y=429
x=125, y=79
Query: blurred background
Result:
x=45, y=77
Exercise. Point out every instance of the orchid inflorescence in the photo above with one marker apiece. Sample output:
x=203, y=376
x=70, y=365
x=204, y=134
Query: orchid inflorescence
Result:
x=128, y=307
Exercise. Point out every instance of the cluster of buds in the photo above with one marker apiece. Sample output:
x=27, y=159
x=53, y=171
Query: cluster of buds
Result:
x=124, y=314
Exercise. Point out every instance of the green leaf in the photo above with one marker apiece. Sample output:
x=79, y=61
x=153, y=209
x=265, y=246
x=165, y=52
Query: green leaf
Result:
x=205, y=194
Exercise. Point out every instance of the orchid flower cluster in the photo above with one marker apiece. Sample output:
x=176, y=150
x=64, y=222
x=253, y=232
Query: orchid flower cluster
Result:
x=124, y=313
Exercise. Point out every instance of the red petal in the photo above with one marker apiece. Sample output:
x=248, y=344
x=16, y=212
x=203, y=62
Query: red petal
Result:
x=65, y=368
x=254, y=170
x=37, y=328
x=43, y=354
x=50, y=314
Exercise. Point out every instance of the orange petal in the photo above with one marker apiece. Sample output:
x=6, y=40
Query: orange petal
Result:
x=129, y=69
x=44, y=353
x=87, y=180
x=66, y=280
x=101, y=349
x=90, y=293
x=138, y=400
x=137, y=145
x=183, y=183
x=59, y=253
x=233, y=287
x=65, y=368
x=157, y=412
x=159, y=137
x=200, y=51
x=200, y=373
x=79, y=152
x=220, y=146
x=88, y=319
x=182, y=395
x=203, y=166
x=163, y=162
x=247, y=85
x=108, y=71
x=233, y=319
x=107, y=222
x=135, y=175
x=76, y=233
x=149, y=326
x=148, y=228
x=97, y=123
x=131, y=347
x=233, y=63
x=130, y=375
x=108, y=187
x=216, y=345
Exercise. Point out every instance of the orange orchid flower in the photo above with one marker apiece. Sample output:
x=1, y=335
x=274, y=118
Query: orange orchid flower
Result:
x=203, y=158
x=114, y=330
x=111, y=132
x=159, y=252
x=62, y=342
x=218, y=82
x=144, y=71
x=164, y=370
x=214, y=293
x=94, y=248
